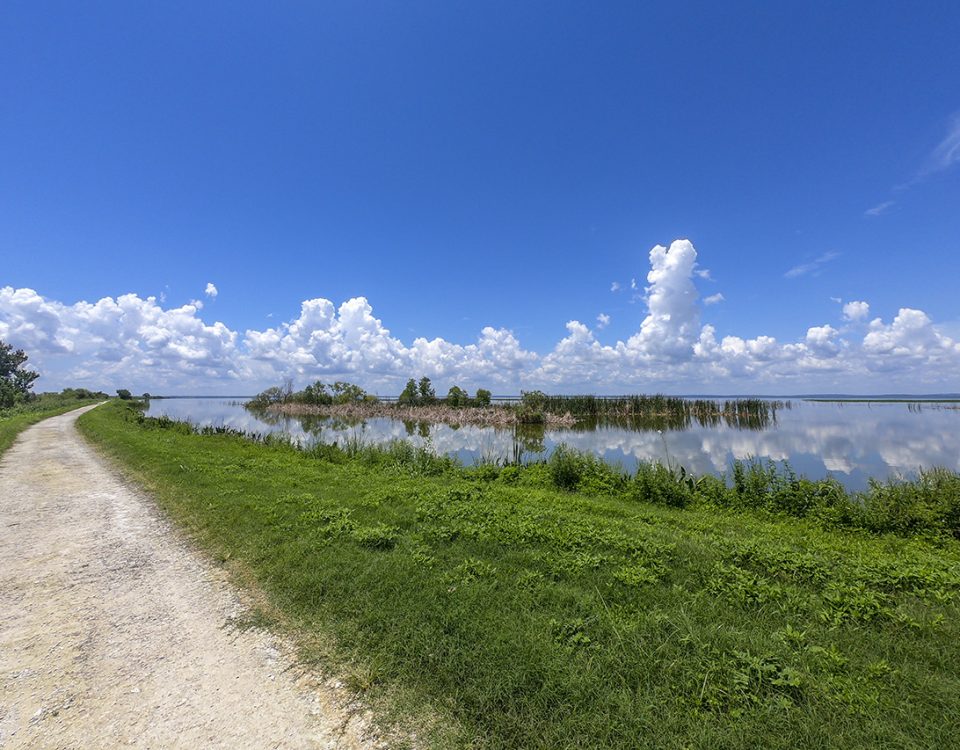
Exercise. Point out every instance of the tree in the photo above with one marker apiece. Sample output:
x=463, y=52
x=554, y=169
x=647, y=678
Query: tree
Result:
x=536, y=400
x=348, y=393
x=272, y=395
x=456, y=396
x=483, y=397
x=427, y=394
x=124, y=394
x=408, y=397
x=532, y=406
x=314, y=394
x=15, y=379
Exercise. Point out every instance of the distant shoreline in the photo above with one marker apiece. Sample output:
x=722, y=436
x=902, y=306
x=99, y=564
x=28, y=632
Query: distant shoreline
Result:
x=884, y=400
x=821, y=398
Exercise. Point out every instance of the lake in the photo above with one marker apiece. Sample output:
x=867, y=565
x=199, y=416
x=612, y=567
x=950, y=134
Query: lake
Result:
x=849, y=441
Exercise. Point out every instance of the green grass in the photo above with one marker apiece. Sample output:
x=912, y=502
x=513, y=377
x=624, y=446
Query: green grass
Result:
x=16, y=419
x=521, y=615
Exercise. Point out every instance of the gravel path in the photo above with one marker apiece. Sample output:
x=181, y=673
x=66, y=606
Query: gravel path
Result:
x=114, y=633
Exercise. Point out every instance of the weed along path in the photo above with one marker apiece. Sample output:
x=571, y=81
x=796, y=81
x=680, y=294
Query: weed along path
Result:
x=114, y=633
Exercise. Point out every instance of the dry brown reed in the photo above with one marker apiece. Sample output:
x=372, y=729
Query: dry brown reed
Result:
x=487, y=416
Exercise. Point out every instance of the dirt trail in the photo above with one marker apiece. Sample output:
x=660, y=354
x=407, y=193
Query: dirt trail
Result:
x=114, y=633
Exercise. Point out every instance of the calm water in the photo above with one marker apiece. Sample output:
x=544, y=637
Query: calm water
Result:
x=850, y=441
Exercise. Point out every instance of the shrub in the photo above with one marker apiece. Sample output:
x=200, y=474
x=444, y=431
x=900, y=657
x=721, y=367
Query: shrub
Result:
x=532, y=407
x=712, y=490
x=752, y=481
x=528, y=415
x=566, y=468
x=315, y=394
x=535, y=400
x=929, y=503
x=572, y=470
x=457, y=397
x=348, y=393
x=273, y=395
x=656, y=483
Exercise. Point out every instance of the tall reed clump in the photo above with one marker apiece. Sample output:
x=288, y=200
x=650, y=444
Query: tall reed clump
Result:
x=584, y=472
x=926, y=505
x=671, y=410
x=930, y=502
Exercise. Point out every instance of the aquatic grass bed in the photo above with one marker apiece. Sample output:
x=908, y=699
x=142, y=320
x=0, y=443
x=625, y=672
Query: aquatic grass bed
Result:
x=535, y=407
x=553, y=605
x=743, y=412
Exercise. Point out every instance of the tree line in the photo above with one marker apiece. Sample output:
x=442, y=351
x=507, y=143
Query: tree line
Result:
x=16, y=380
x=415, y=393
x=422, y=394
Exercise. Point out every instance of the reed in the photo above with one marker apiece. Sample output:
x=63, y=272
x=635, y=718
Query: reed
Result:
x=502, y=416
x=670, y=411
x=639, y=411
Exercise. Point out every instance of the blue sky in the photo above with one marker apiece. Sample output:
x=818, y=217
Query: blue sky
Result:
x=465, y=166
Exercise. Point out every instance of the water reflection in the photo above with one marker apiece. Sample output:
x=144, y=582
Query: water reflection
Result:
x=852, y=441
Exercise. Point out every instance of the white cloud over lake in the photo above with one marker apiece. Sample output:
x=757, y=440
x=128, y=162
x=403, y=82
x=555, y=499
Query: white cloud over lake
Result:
x=856, y=310
x=136, y=342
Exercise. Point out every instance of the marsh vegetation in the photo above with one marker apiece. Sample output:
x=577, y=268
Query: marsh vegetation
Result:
x=852, y=442
x=418, y=401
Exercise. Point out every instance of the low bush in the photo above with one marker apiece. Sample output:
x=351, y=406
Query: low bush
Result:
x=656, y=483
x=571, y=470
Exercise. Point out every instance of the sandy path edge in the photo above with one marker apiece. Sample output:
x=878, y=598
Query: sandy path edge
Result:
x=114, y=632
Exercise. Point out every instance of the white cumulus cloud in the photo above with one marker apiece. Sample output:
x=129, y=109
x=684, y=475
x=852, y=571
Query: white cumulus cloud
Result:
x=856, y=310
x=673, y=320
x=138, y=343
x=211, y=290
x=121, y=339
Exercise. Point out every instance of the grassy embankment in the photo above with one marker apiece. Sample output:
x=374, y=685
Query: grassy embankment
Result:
x=16, y=419
x=524, y=615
